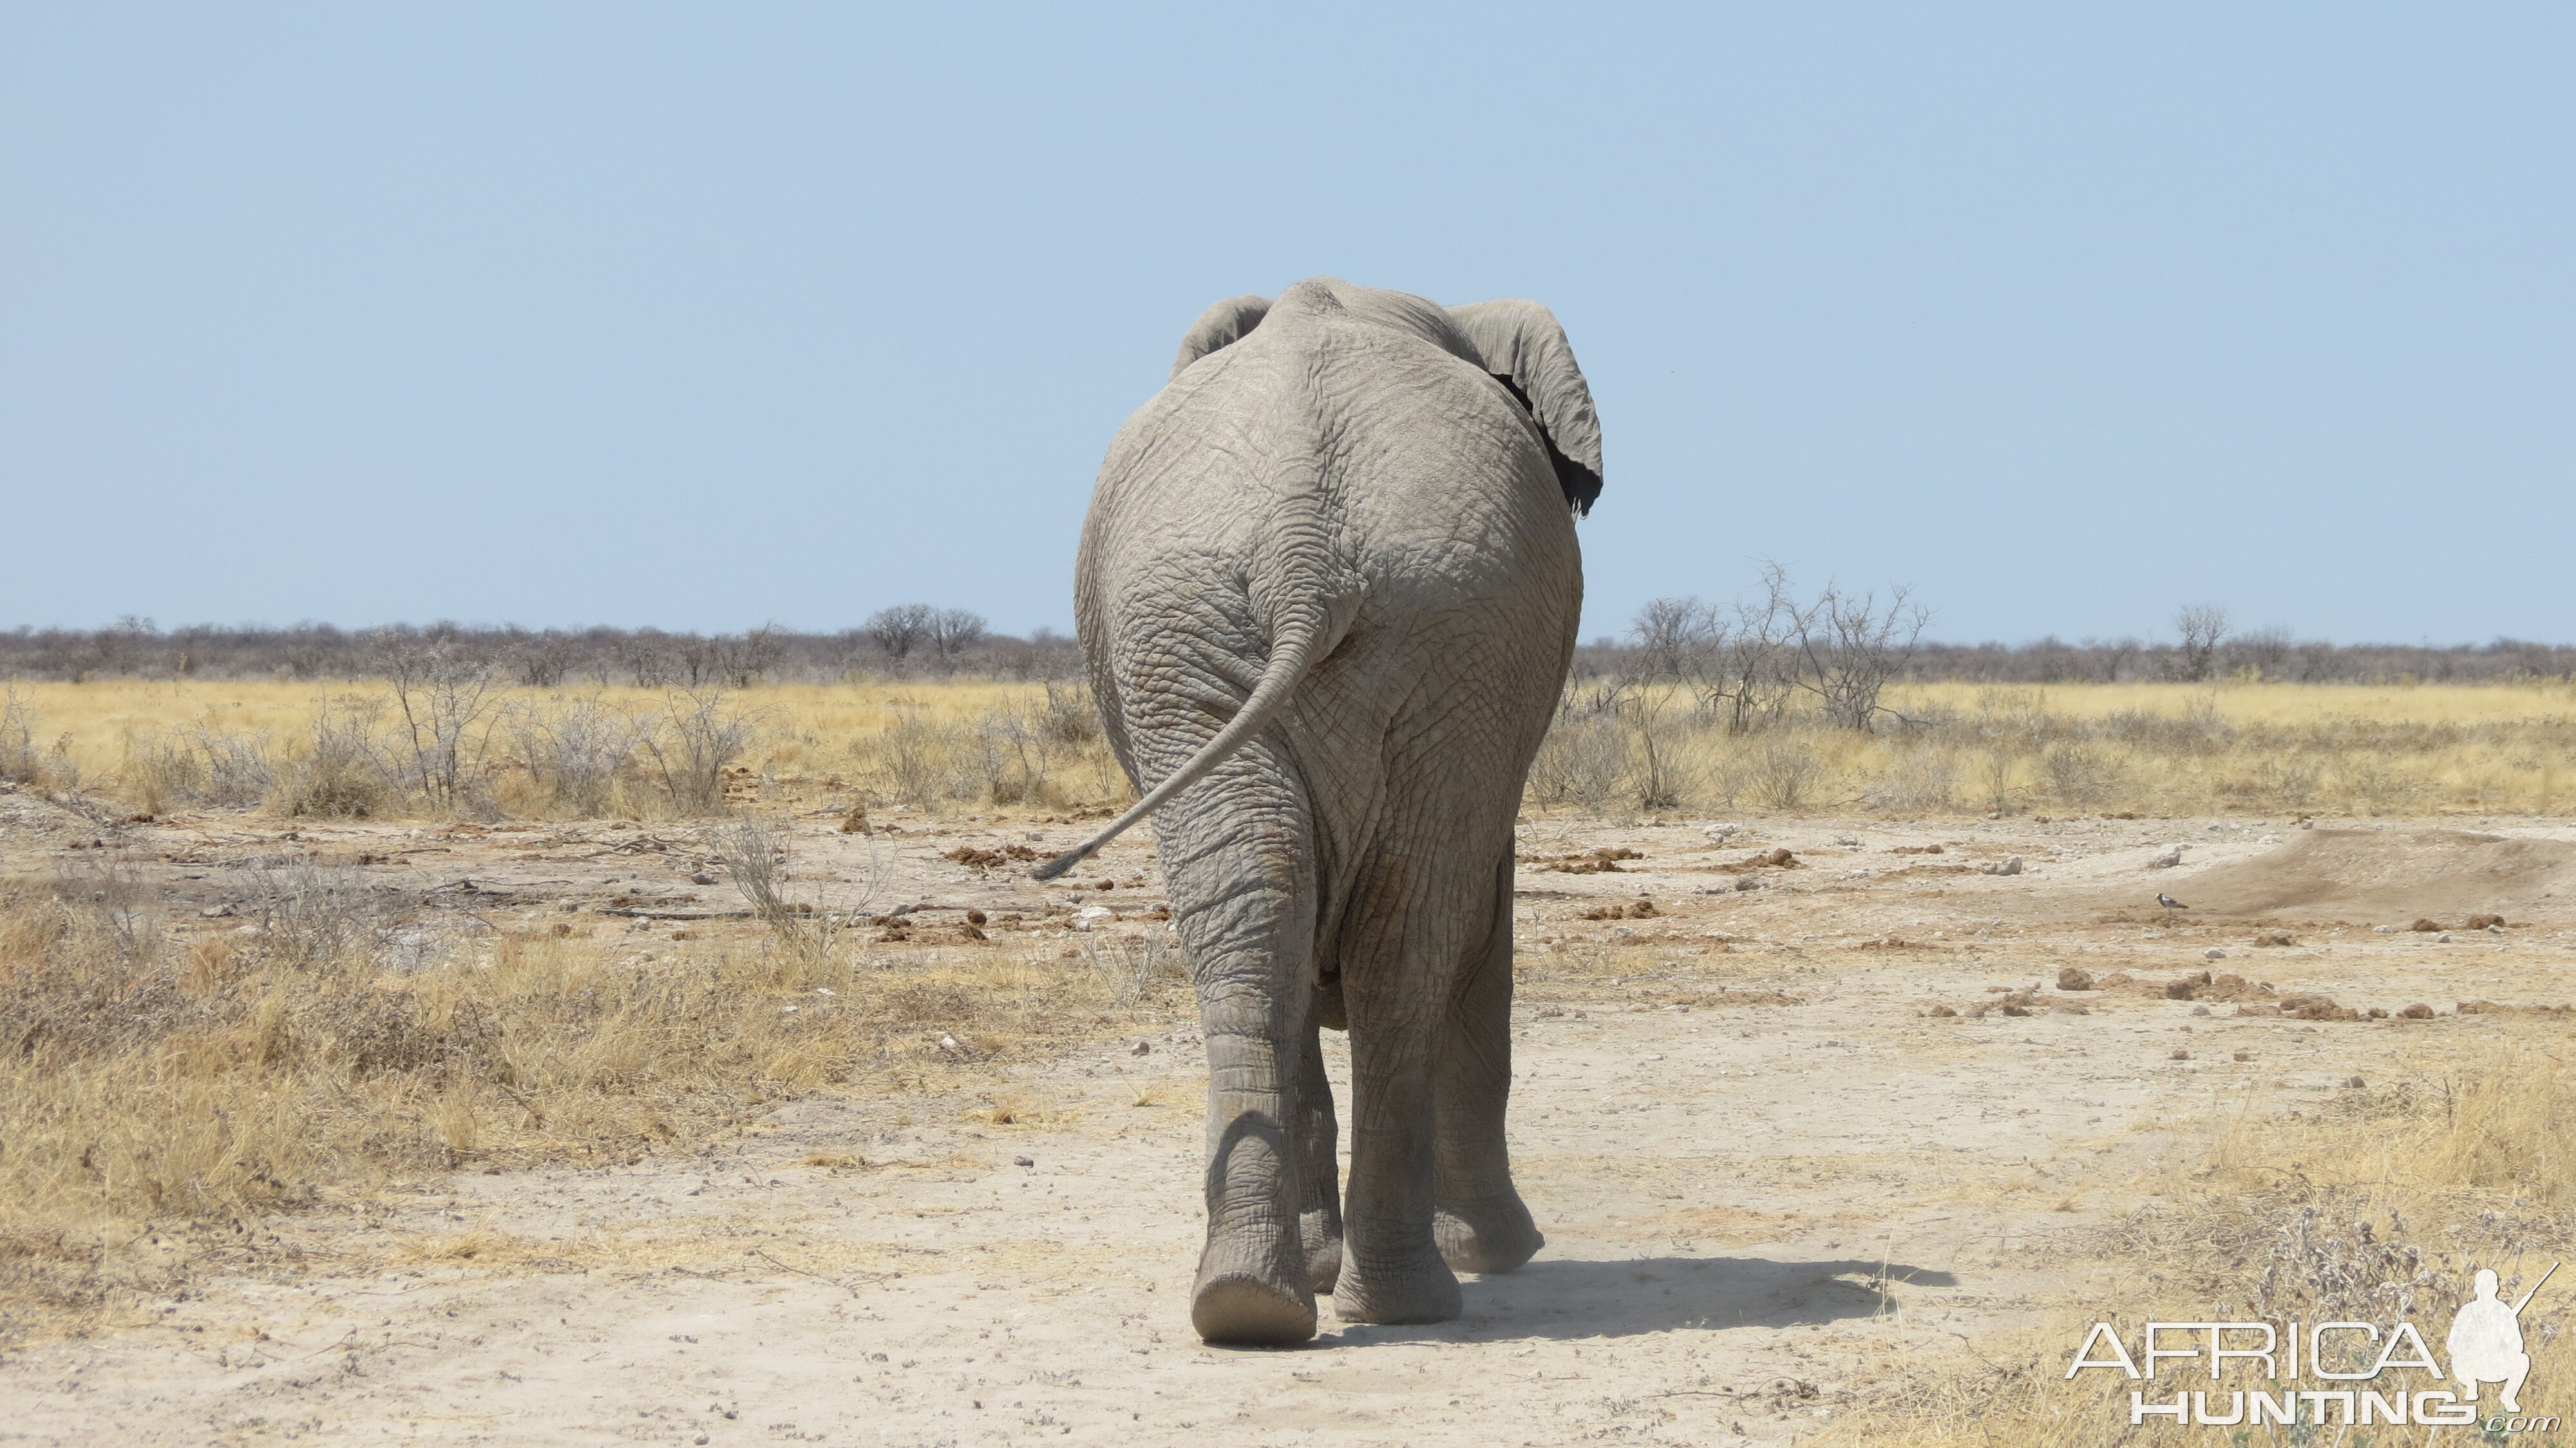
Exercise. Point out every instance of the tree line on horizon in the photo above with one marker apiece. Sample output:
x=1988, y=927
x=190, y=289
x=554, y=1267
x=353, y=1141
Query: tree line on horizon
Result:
x=922, y=641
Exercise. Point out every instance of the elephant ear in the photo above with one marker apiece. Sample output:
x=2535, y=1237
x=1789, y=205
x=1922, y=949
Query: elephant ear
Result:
x=1222, y=325
x=1526, y=351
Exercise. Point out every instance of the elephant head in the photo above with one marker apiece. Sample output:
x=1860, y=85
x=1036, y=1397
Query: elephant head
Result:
x=1518, y=341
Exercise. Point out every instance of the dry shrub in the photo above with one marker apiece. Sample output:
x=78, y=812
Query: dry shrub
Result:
x=18, y=759
x=158, y=1082
x=1584, y=761
x=697, y=738
x=339, y=773
x=575, y=752
x=1782, y=775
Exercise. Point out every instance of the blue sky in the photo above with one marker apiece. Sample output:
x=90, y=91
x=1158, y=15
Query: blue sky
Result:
x=706, y=316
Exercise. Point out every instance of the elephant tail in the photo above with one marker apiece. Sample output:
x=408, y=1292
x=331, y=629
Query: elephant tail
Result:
x=1303, y=637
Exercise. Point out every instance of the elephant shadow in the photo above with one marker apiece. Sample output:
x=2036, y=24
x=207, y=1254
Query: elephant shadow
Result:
x=1561, y=1298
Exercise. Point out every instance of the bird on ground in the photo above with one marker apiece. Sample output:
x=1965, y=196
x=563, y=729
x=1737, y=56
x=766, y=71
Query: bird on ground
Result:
x=2169, y=902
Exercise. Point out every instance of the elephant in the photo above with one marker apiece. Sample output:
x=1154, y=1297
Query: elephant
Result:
x=1327, y=595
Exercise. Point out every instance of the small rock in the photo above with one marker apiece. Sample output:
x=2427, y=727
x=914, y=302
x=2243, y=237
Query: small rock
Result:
x=2200, y=1010
x=2073, y=978
x=1720, y=834
x=1022, y=1161
x=2442, y=939
x=2213, y=953
x=948, y=1043
x=2010, y=865
x=1748, y=882
x=2181, y=1055
x=2167, y=860
x=1142, y=1049
x=2353, y=1082
x=1847, y=839
x=2384, y=929
x=703, y=877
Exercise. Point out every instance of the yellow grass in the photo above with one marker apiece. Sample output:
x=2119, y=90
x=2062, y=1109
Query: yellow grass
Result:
x=1943, y=749
x=2150, y=748
x=184, y=1079
x=869, y=743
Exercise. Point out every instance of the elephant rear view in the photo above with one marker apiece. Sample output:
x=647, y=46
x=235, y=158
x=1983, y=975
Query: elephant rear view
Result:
x=1328, y=591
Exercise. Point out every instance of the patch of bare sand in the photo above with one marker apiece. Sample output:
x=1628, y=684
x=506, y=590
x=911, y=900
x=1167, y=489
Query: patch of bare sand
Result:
x=2380, y=876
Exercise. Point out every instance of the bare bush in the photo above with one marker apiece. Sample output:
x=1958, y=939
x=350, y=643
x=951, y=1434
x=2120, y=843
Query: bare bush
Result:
x=1018, y=752
x=1756, y=674
x=1853, y=646
x=574, y=751
x=2077, y=772
x=1748, y=662
x=338, y=774
x=1781, y=774
x=698, y=736
x=1072, y=713
x=113, y=910
x=18, y=761
x=2201, y=627
x=1584, y=759
x=441, y=689
x=755, y=854
x=1920, y=780
x=918, y=755
x=312, y=917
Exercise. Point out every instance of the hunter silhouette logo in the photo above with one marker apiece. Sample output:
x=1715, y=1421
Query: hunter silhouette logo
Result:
x=2486, y=1340
x=2355, y=1364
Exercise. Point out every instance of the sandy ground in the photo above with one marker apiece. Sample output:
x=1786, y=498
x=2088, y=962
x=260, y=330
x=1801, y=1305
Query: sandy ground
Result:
x=1767, y=1170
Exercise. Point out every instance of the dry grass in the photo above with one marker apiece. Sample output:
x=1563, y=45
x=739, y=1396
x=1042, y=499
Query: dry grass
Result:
x=296, y=749
x=2152, y=748
x=163, y=1084
x=2156, y=748
x=2376, y=1211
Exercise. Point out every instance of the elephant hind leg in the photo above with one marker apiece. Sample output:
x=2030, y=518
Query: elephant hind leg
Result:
x=1237, y=853
x=1319, y=1217
x=1479, y=1220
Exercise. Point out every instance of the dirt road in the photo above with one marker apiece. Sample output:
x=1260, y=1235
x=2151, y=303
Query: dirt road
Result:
x=1768, y=1171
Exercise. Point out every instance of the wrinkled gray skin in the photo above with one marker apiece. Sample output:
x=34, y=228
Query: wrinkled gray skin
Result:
x=1328, y=591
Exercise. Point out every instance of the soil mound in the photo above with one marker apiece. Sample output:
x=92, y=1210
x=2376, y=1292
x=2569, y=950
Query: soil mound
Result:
x=2365, y=876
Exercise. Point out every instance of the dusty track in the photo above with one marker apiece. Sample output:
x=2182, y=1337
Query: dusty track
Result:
x=1751, y=1207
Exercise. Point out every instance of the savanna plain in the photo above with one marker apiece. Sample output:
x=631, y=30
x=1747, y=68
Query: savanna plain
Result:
x=438, y=1062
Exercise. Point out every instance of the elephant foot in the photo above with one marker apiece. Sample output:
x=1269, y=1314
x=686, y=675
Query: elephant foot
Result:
x=1321, y=1235
x=1421, y=1290
x=1239, y=1308
x=1494, y=1234
x=1252, y=1297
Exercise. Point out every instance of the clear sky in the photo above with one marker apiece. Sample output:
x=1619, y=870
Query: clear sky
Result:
x=702, y=316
